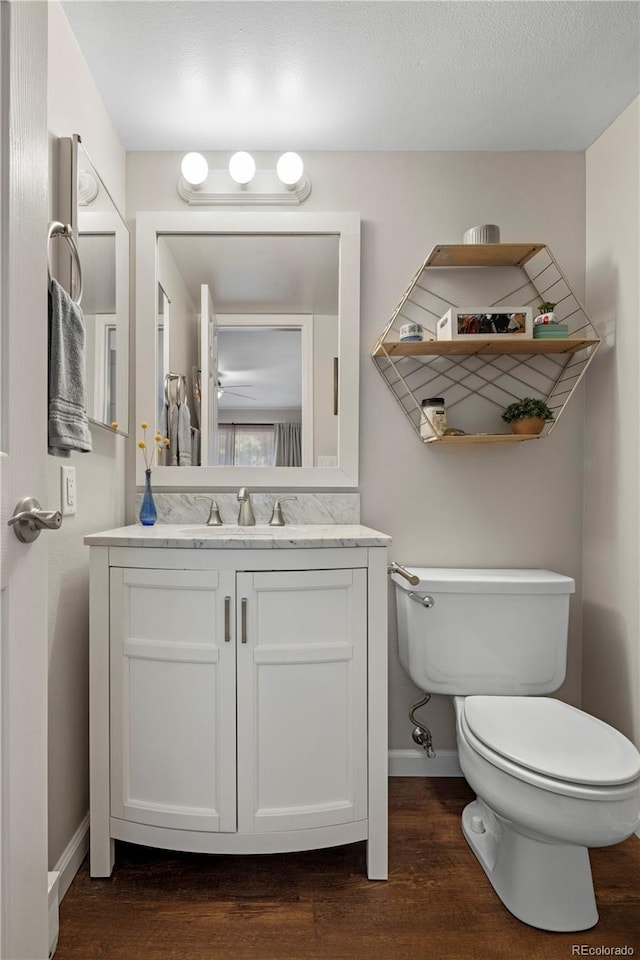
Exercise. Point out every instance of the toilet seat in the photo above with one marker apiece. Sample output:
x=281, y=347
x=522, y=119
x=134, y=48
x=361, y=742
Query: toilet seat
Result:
x=551, y=744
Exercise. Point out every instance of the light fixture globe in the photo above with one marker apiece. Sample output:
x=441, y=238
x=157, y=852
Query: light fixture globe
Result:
x=290, y=169
x=242, y=167
x=194, y=168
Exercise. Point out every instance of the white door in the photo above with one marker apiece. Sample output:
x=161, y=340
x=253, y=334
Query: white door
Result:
x=302, y=699
x=209, y=378
x=173, y=706
x=23, y=445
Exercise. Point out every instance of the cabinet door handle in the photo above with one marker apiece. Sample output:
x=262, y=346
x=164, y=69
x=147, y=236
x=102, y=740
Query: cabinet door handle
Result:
x=227, y=619
x=244, y=620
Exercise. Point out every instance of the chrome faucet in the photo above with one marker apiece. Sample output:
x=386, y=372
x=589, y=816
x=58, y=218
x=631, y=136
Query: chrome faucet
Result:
x=245, y=513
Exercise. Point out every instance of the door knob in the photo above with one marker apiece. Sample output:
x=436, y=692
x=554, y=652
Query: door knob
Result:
x=28, y=520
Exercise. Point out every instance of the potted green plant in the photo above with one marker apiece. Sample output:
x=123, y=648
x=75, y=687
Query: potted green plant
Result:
x=545, y=312
x=528, y=415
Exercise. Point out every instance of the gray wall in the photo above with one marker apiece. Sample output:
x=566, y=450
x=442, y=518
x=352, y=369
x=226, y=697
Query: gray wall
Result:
x=439, y=505
x=612, y=474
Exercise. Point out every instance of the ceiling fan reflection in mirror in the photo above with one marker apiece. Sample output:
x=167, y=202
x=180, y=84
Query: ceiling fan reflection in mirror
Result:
x=224, y=390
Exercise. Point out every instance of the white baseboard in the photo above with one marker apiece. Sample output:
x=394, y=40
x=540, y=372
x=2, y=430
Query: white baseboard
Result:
x=72, y=857
x=415, y=763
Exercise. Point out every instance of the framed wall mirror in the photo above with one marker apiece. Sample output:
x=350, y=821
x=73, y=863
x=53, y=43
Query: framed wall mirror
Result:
x=247, y=332
x=103, y=243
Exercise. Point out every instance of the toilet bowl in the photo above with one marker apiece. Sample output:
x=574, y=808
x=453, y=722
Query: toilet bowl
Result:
x=550, y=780
x=530, y=829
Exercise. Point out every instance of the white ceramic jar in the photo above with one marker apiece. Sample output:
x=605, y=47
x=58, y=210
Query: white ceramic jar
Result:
x=434, y=418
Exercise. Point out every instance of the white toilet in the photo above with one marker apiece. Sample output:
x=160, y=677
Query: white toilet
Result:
x=550, y=780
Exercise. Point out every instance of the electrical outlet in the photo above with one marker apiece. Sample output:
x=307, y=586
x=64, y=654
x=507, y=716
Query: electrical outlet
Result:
x=68, y=492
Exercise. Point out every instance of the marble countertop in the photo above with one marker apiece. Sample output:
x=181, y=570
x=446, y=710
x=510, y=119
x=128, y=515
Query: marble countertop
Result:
x=260, y=537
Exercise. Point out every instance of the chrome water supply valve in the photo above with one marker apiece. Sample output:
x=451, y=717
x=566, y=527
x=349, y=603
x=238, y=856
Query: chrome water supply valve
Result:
x=421, y=734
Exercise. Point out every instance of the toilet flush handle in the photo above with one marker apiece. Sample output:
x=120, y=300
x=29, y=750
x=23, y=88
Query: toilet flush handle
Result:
x=425, y=601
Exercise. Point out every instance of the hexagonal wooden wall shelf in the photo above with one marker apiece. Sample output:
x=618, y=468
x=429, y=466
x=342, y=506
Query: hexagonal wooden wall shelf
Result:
x=479, y=376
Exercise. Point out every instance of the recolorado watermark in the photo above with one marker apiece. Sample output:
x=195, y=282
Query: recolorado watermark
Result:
x=584, y=950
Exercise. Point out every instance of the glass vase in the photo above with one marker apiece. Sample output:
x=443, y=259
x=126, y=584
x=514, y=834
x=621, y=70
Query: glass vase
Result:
x=148, y=513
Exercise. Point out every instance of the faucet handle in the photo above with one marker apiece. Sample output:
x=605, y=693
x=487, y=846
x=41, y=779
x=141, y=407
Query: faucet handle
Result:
x=214, y=519
x=277, y=517
x=243, y=493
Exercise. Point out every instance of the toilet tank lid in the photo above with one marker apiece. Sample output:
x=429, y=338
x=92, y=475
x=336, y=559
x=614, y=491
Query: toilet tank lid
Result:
x=479, y=580
x=553, y=738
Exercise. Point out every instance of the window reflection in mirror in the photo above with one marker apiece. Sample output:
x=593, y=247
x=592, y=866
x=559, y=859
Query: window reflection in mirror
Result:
x=103, y=244
x=254, y=334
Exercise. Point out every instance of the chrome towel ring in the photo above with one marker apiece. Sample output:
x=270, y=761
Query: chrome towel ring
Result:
x=57, y=229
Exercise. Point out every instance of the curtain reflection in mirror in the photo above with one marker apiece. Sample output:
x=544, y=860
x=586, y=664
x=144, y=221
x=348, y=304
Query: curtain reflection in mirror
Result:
x=287, y=445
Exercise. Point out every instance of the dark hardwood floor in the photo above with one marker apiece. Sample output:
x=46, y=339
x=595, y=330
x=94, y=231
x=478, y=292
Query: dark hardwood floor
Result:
x=319, y=905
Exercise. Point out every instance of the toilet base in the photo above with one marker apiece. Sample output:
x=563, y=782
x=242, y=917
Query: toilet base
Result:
x=545, y=884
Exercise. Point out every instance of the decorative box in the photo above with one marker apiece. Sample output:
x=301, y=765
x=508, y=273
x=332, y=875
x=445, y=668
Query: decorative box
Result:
x=490, y=323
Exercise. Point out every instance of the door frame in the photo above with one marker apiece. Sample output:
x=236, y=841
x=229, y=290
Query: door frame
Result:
x=23, y=360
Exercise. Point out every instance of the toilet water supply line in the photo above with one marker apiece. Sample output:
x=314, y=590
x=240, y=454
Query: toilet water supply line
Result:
x=421, y=734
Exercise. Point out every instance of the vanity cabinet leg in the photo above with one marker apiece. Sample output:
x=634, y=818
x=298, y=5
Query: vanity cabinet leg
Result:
x=101, y=844
x=378, y=764
x=101, y=856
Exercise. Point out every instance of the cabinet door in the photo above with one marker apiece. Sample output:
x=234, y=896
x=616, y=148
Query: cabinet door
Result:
x=173, y=698
x=302, y=663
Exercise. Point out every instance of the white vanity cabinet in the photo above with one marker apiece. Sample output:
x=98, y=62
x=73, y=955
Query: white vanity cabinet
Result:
x=238, y=696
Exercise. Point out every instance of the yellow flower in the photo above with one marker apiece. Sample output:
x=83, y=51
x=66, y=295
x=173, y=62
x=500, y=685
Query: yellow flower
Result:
x=166, y=441
x=114, y=425
x=149, y=452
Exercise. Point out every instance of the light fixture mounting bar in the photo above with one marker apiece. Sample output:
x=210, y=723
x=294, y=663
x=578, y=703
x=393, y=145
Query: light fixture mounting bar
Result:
x=264, y=189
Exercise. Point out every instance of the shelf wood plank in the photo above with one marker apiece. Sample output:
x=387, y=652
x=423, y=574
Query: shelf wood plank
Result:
x=436, y=348
x=482, y=254
x=486, y=438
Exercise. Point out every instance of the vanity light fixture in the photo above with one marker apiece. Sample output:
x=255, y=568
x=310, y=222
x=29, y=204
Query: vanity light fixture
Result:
x=242, y=167
x=242, y=183
x=290, y=169
x=195, y=169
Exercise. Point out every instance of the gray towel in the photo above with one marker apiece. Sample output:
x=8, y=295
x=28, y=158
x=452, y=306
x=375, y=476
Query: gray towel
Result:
x=195, y=446
x=184, y=436
x=172, y=422
x=68, y=421
x=164, y=457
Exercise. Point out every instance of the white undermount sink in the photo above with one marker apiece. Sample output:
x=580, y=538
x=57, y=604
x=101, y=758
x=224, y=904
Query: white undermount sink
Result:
x=231, y=529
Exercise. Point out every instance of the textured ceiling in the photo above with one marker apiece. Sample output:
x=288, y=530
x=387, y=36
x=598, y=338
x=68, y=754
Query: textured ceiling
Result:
x=361, y=74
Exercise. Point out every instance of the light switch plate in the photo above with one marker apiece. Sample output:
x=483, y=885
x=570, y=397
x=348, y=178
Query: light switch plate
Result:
x=68, y=491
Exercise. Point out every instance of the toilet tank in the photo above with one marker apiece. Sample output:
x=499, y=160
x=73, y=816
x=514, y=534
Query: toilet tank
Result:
x=498, y=632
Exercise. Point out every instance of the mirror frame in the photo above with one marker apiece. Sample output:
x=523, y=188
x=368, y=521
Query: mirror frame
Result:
x=102, y=223
x=150, y=225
